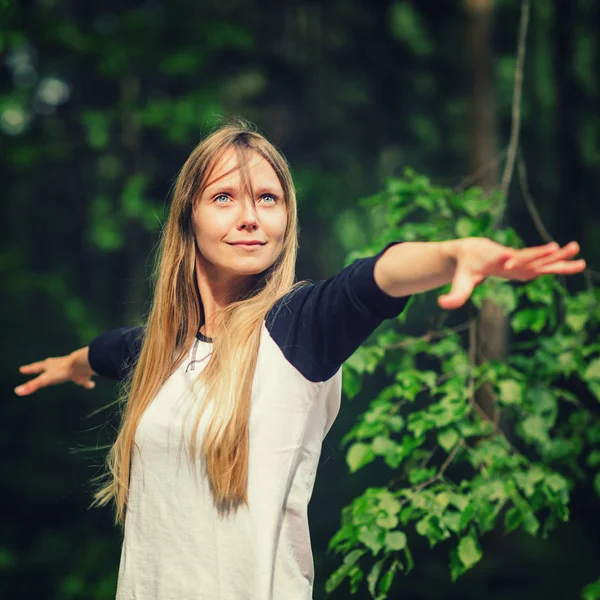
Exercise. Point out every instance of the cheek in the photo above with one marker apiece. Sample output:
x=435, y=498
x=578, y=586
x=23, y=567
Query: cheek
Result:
x=275, y=225
x=213, y=225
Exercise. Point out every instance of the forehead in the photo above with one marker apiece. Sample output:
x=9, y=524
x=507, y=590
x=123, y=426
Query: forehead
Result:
x=226, y=171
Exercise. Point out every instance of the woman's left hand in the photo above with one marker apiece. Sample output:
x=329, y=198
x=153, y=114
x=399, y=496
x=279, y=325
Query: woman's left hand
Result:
x=478, y=258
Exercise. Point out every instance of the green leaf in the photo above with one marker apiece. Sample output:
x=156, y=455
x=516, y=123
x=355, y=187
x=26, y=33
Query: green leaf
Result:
x=593, y=433
x=183, y=62
x=358, y=456
x=343, y=571
x=343, y=537
x=387, y=521
x=593, y=459
x=417, y=476
x=132, y=197
x=557, y=483
x=396, y=423
x=356, y=576
x=465, y=227
x=442, y=500
x=351, y=382
x=406, y=26
x=372, y=537
x=539, y=290
x=366, y=358
x=595, y=388
x=469, y=551
x=384, y=445
x=530, y=318
x=511, y=391
x=96, y=124
x=592, y=371
x=576, y=321
x=106, y=227
x=497, y=291
x=389, y=503
x=456, y=566
x=535, y=429
x=395, y=540
x=373, y=577
x=452, y=521
x=418, y=425
x=459, y=501
x=530, y=523
x=527, y=481
x=387, y=579
x=562, y=449
x=448, y=438
x=512, y=519
x=429, y=527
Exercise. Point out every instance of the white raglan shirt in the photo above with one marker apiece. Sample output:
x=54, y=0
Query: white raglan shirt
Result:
x=177, y=545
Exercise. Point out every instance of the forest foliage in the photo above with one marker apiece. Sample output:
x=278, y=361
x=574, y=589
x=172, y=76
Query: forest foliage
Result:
x=457, y=472
x=100, y=104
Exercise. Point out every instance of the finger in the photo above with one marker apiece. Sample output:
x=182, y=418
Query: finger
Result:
x=564, y=267
x=528, y=254
x=88, y=384
x=36, y=367
x=569, y=251
x=33, y=385
x=463, y=285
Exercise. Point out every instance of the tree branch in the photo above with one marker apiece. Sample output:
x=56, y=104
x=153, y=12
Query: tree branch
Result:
x=516, y=104
x=534, y=213
x=430, y=335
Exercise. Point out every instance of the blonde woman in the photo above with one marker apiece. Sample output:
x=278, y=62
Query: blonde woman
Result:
x=240, y=368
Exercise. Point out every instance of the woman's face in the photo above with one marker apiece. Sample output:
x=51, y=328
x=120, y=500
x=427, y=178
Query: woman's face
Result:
x=226, y=215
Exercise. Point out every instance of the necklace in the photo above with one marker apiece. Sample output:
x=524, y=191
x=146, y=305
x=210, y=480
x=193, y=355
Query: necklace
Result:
x=192, y=364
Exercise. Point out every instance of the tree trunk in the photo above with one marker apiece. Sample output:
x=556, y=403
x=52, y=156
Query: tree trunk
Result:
x=491, y=324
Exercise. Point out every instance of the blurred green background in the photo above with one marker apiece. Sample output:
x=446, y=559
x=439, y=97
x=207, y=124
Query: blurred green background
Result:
x=100, y=104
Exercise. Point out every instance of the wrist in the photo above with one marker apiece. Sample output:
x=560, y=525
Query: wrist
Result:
x=451, y=251
x=80, y=361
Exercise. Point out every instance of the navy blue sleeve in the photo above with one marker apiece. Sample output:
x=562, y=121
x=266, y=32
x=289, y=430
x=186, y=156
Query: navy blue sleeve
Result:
x=112, y=354
x=320, y=325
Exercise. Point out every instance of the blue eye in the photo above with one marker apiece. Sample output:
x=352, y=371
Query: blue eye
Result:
x=274, y=199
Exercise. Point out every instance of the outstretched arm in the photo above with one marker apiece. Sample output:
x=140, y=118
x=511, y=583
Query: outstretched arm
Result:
x=414, y=267
x=318, y=326
x=110, y=354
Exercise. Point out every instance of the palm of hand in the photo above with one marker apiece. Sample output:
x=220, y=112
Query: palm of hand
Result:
x=479, y=258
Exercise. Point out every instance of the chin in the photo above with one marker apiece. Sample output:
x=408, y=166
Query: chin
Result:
x=249, y=267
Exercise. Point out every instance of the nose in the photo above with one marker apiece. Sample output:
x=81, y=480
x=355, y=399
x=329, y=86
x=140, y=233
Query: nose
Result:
x=249, y=217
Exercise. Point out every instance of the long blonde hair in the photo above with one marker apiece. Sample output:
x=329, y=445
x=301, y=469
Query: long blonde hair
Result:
x=175, y=317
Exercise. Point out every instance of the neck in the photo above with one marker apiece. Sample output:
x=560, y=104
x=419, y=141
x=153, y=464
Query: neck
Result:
x=216, y=292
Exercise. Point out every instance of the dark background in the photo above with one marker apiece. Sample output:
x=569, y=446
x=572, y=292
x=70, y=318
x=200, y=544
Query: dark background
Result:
x=100, y=104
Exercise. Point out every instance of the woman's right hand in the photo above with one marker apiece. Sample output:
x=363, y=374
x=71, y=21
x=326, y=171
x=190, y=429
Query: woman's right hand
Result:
x=74, y=367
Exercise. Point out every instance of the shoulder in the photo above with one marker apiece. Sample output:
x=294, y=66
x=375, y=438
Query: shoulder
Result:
x=318, y=325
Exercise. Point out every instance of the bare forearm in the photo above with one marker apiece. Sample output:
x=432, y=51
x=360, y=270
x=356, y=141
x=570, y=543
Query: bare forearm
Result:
x=414, y=267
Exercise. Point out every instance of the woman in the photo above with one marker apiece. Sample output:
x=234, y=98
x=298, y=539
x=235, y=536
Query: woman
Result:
x=241, y=367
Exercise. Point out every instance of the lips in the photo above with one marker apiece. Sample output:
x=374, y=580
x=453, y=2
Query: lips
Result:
x=248, y=243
